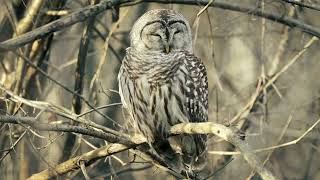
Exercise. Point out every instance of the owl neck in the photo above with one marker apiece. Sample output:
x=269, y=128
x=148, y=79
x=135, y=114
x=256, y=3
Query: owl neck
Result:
x=151, y=63
x=154, y=57
x=157, y=55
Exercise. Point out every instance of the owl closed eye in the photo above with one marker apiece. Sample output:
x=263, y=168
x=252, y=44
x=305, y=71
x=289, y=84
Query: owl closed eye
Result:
x=161, y=33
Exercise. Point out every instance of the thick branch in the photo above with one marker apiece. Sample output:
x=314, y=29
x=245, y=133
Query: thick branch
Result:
x=74, y=163
x=85, y=130
x=303, y=4
x=184, y=128
x=280, y=18
x=89, y=11
x=228, y=135
x=78, y=16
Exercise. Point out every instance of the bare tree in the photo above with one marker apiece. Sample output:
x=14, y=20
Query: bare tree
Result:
x=60, y=112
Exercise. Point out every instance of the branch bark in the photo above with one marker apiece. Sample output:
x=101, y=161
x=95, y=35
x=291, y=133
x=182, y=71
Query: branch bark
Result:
x=229, y=135
x=85, y=130
x=184, y=128
x=84, y=13
x=74, y=163
x=303, y=4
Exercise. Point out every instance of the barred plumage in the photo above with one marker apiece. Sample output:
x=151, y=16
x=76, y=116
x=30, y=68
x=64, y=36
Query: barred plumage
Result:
x=160, y=89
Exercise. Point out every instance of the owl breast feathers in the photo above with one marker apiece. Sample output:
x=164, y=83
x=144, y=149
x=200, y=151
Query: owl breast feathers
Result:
x=161, y=88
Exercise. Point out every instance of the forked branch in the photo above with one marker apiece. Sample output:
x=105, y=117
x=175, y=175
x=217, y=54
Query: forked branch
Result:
x=219, y=130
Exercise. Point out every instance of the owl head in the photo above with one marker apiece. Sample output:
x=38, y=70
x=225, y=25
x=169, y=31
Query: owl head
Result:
x=161, y=30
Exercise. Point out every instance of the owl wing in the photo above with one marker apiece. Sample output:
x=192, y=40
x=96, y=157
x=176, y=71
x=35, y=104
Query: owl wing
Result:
x=197, y=89
x=197, y=103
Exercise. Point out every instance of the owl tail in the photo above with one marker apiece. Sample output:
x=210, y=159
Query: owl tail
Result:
x=186, y=147
x=196, y=164
x=173, y=159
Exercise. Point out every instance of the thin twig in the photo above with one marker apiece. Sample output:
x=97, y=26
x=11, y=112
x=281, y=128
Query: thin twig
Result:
x=96, y=75
x=297, y=140
x=278, y=141
x=261, y=86
x=42, y=72
x=7, y=151
x=59, y=110
x=79, y=83
x=281, y=47
x=127, y=168
x=98, y=108
x=84, y=171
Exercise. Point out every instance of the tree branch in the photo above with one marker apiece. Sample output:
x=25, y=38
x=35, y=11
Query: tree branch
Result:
x=84, y=13
x=79, y=81
x=85, y=130
x=228, y=135
x=184, y=128
x=303, y=4
x=73, y=164
x=59, y=110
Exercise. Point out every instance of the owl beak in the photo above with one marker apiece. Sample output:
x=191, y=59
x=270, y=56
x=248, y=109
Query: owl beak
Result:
x=167, y=48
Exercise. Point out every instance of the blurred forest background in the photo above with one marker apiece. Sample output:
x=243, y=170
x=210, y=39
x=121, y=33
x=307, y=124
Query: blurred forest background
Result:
x=263, y=75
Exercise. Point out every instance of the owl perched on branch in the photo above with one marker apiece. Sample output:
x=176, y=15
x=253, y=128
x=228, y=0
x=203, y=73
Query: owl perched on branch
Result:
x=161, y=83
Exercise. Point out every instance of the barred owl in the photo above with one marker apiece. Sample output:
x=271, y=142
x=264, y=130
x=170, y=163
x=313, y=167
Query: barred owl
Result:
x=161, y=83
